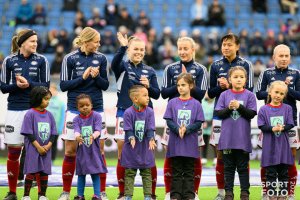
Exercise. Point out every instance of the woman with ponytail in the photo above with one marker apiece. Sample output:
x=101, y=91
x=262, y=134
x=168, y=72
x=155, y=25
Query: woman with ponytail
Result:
x=83, y=71
x=21, y=71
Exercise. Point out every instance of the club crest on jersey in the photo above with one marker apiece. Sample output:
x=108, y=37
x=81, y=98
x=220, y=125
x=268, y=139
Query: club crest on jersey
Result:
x=95, y=62
x=44, y=131
x=184, y=117
x=139, y=130
x=34, y=62
x=86, y=132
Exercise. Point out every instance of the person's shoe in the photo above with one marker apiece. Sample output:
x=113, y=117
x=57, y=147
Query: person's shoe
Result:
x=167, y=196
x=153, y=197
x=127, y=198
x=10, y=196
x=120, y=197
x=96, y=198
x=291, y=197
x=265, y=197
x=43, y=198
x=244, y=195
x=196, y=196
x=219, y=197
x=229, y=195
x=64, y=196
x=79, y=198
x=26, y=198
x=147, y=197
x=104, y=196
x=20, y=183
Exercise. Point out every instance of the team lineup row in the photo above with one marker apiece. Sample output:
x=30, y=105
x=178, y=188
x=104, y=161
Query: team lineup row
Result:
x=84, y=71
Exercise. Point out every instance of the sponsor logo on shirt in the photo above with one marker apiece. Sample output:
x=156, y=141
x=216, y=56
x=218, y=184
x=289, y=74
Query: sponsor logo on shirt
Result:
x=103, y=125
x=291, y=72
x=32, y=68
x=95, y=62
x=217, y=129
x=271, y=72
x=145, y=71
x=34, y=63
x=292, y=133
x=69, y=125
x=32, y=74
x=193, y=71
x=9, y=129
x=121, y=124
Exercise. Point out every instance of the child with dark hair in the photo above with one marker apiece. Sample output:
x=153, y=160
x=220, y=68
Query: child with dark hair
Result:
x=39, y=130
x=87, y=128
x=184, y=116
x=139, y=127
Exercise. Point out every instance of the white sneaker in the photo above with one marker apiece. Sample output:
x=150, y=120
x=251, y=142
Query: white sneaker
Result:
x=291, y=197
x=26, y=198
x=219, y=197
x=167, y=197
x=64, y=196
x=196, y=196
x=203, y=161
x=43, y=198
x=265, y=197
x=104, y=196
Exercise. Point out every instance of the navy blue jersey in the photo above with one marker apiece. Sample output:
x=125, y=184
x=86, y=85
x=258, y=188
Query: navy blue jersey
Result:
x=73, y=66
x=220, y=69
x=35, y=69
x=127, y=75
x=172, y=71
x=274, y=74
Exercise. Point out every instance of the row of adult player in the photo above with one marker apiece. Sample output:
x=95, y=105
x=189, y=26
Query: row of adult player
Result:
x=84, y=71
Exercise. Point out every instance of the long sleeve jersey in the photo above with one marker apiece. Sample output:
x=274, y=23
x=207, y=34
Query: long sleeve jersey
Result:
x=172, y=71
x=73, y=66
x=35, y=69
x=220, y=68
x=274, y=74
x=127, y=74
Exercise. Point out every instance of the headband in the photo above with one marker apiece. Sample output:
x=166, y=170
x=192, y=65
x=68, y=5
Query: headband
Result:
x=25, y=37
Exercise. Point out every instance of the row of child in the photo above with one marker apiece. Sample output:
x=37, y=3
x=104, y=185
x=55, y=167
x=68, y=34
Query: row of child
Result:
x=84, y=71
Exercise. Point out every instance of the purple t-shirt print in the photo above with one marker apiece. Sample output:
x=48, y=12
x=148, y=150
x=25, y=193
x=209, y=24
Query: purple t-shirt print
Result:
x=89, y=159
x=275, y=148
x=236, y=130
x=42, y=126
x=183, y=112
x=140, y=123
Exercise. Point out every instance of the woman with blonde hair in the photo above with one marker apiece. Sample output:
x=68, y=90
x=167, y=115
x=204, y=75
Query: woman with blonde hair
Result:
x=187, y=64
x=84, y=70
x=21, y=71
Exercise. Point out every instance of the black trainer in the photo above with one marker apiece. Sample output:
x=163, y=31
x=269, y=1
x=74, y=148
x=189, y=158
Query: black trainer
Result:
x=10, y=196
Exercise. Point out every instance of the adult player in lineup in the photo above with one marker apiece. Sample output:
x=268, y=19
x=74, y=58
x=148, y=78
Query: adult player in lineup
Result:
x=128, y=73
x=186, y=51
x=291, y=77
x=218, y=83
x=83, y=71
x=21, y=71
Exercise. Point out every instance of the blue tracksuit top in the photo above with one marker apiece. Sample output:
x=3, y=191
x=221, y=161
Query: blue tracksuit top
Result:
x=220, y=68
x=127, y=74
x=274, y=74
x=34, y=68
x=73, y=66
x=171, y=72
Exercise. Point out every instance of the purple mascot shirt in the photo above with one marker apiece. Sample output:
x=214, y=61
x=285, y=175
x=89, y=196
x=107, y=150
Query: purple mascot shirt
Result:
x=183, y=112
x=275, y=148
x=88, y=158
x=236, y=130
x=42, y=126
x=139, y=122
